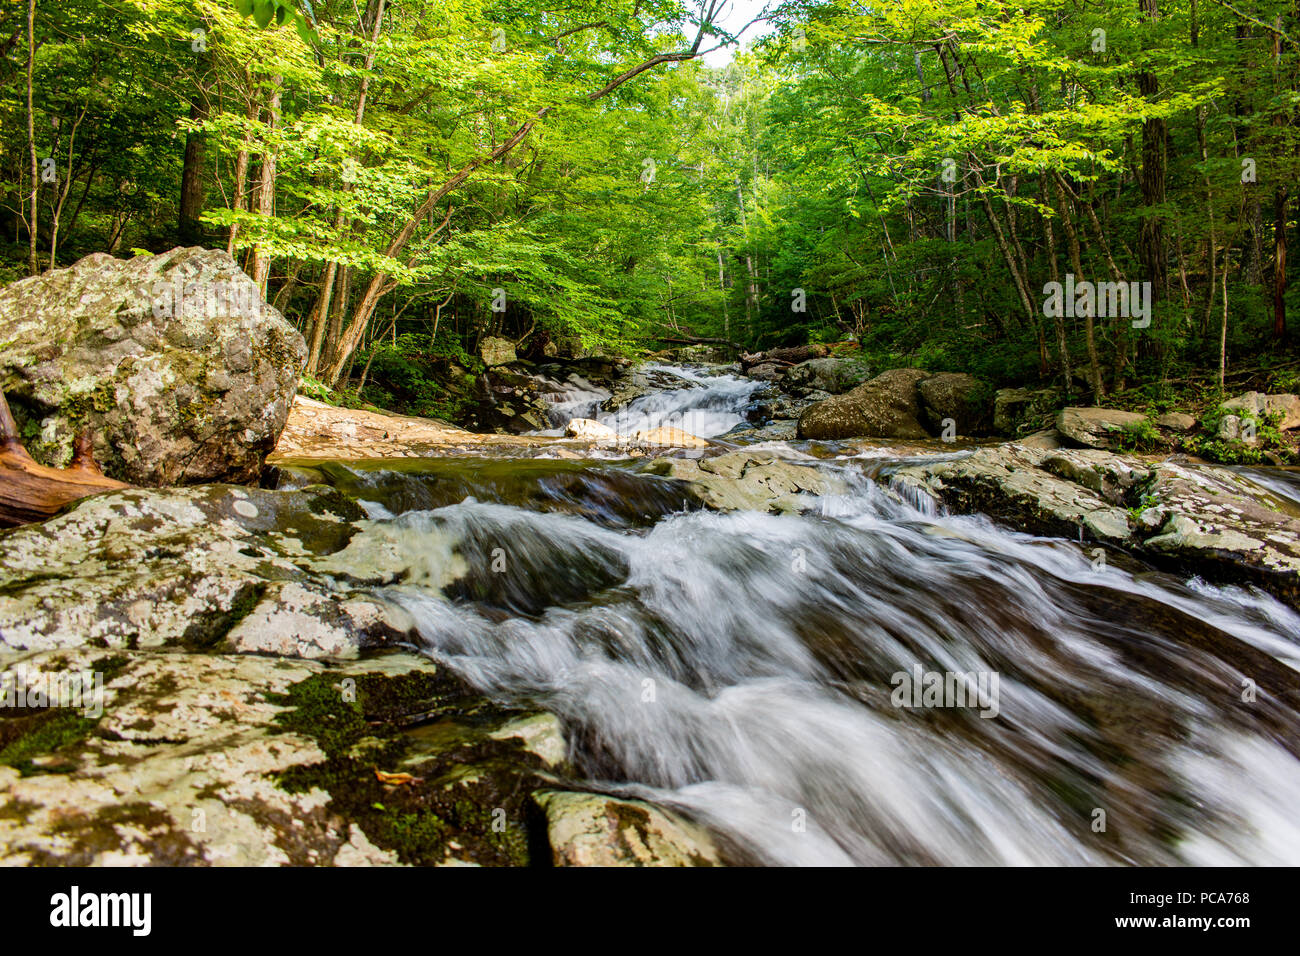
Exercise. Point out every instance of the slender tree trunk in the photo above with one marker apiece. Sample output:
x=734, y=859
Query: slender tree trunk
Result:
x=1279, y=263
x=34, y=209
x=188, y=227
x=266, y=186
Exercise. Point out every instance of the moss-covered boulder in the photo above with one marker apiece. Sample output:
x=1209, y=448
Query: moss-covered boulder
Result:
x=179, y=368
x=885, y=407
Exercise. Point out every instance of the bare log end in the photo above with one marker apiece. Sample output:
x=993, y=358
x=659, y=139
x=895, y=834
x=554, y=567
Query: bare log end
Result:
x=34, y=492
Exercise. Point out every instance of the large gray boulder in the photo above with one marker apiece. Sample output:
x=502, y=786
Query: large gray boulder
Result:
x=1260, y=407
x=1096, y=427
x=957, y=398
x=832, y=375
x=885, y=407
x=176, y=364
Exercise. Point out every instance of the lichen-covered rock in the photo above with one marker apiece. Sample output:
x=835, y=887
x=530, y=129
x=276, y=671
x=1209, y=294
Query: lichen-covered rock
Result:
x=1260, y=406
x=176, y=364
x=208, y=567
x=592, y=829
x=215, y=760
x=1096, y=427
x=1014, y=484
x=831, y=375
x=741, y=480
x=496, y=351
x=957, y=398
x=885, y=407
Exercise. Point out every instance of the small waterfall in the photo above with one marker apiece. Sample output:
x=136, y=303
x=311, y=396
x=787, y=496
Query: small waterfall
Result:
x=706, y=406
x=747, y=668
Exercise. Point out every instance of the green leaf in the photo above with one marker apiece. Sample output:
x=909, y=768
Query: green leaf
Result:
x=244, y=7
x=281, y=14
x=305, y=32
x=263, y=10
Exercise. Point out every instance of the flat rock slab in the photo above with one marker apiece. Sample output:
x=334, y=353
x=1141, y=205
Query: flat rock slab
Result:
x=1198, y=519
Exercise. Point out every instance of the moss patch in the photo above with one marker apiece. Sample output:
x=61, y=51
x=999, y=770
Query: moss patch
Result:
x=468, y=800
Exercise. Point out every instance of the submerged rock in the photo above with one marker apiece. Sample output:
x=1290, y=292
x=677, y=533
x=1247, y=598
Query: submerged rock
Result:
x=178, y=367
x=591, y=829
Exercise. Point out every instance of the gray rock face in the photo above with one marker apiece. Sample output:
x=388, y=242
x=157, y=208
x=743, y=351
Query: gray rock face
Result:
x=496, y=351
x=180, y=369
x=830, y=375
x=1095, y=427
x=1176, y=421
x=208, y=568
x=748, y=480
x=1259, y=406
x=885, y=407
x=1019, y=410
x=1198, y=520
x=225, y=760
x=954, y=397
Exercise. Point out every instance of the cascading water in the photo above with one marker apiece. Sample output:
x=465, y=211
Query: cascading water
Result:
x=707, y=406
x=745, y=668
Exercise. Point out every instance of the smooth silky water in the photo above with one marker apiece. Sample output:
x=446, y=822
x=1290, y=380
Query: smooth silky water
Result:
x=742, y=667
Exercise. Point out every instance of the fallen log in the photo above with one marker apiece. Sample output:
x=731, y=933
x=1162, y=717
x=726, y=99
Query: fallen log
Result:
x=33, y=492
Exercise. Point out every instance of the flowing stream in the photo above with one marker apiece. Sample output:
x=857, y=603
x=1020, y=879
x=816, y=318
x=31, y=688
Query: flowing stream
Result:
x=744, y=667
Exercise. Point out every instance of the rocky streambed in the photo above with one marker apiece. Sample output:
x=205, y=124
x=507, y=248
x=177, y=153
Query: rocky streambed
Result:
x=603, y=644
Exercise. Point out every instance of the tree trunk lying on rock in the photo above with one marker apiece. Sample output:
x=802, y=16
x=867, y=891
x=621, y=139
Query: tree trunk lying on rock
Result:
x=792, y=355
x=34, y=492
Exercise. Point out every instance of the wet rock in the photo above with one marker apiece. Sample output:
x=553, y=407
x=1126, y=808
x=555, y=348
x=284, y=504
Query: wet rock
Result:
x=954, y=397
x=1011, y=484
x=749, y=480
x=591, y=829
x=1201, y=520
x=665, y=437
x=496, y=351
x=1018, y=410
x=589, y=430
x=1095, y=427
x=212, y=567
x=885, y=407
x=176, y=364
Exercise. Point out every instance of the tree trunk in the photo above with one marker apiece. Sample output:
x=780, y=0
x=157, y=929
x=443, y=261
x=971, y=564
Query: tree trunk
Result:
x=266, y=186
x=188, y=228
